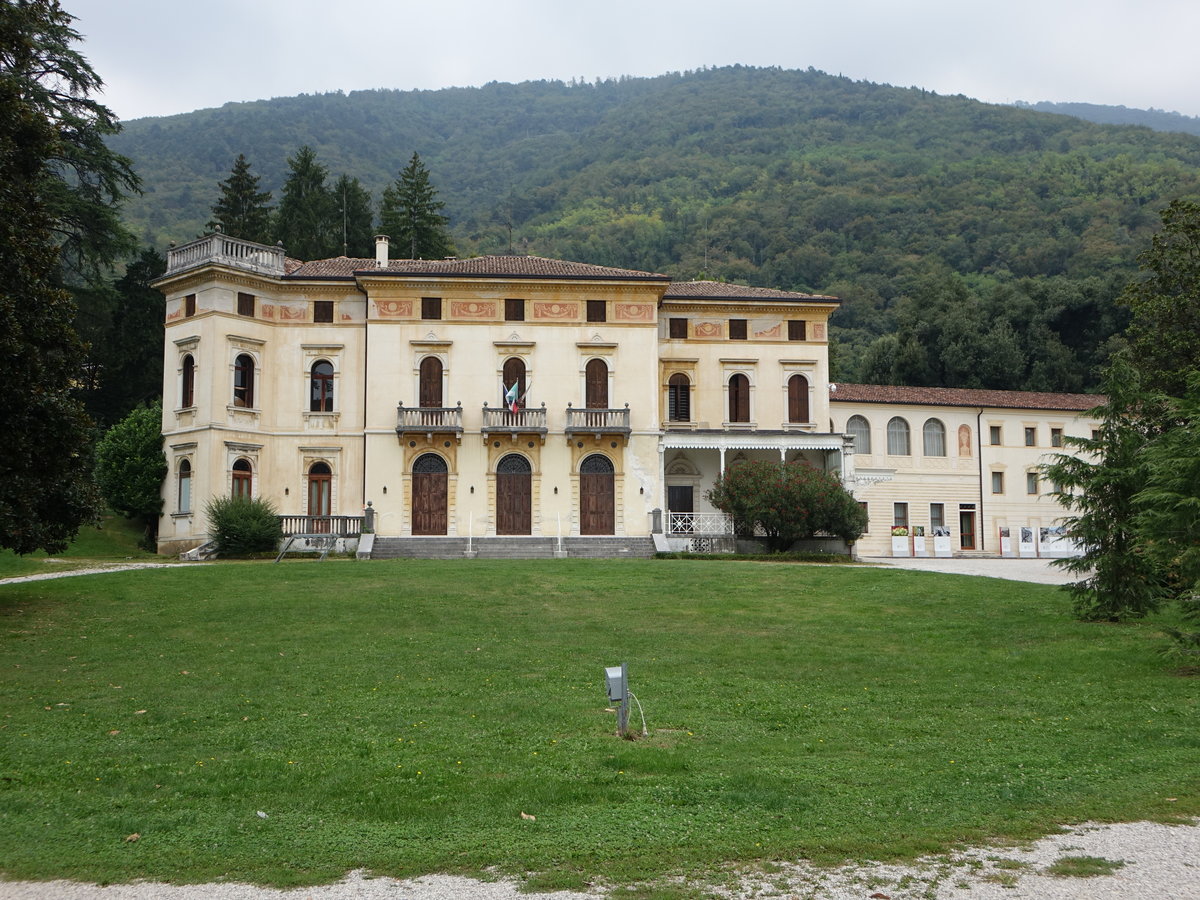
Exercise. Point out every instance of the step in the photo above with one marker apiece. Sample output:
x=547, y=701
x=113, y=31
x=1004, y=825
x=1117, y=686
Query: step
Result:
x=512, y=547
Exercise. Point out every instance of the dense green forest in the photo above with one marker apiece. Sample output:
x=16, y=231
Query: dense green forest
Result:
x=973, y=244
x=1158, y=119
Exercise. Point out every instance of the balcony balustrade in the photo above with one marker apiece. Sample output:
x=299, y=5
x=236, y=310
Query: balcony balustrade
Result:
x=221, y=249
x=342, y=526
x=429, y=419
x=524, y=421
x=598, y=421
x=691, y=523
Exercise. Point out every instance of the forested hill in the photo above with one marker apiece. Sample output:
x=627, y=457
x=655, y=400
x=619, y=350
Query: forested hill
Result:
x=974, y=244
x=1158, y=119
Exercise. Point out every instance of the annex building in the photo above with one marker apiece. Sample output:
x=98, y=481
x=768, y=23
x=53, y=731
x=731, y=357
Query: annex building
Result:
x=522, y=396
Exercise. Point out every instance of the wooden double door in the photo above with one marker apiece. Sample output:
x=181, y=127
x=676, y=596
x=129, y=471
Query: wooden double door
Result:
x=597, y=496
x=514, y=495
x=430, y=493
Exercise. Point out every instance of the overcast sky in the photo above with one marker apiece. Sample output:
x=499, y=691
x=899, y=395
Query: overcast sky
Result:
x=160, y=57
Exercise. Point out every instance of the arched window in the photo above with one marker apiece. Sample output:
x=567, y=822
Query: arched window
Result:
x=897, y=438
x=514, y=373
x=187, y=387
x=596, y=384
x=679, y=398
x=739, y=398
x=243, y=381
x=184, y=500
x=933, y=438
x=321, y=387
x=430, y=389
x=798, y=399
x=859, y=429
x=320, y=494
x=243, y=479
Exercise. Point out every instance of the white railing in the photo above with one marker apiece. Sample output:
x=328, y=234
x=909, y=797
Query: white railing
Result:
x=225, y=250
x=429, y=418
x=699, y=523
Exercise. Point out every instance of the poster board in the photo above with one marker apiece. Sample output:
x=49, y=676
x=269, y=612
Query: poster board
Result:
x=918, y=541
x=1006, y=544
x=941, y=542
x=1027, y=546
x=1053, y=542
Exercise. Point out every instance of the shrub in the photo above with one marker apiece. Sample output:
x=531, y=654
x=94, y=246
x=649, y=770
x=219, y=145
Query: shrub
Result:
x=787, y=502
x=241, y=526
x=130, y=467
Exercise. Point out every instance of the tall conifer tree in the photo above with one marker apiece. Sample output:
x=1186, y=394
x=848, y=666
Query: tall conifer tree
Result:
x=411, y=215
x=356, y=216
x=307, y=220
x=242, y=210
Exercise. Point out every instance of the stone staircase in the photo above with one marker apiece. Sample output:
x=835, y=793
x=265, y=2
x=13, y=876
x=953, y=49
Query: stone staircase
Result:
x=512, y=547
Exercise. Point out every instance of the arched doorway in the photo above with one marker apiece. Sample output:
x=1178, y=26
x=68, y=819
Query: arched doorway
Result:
x=597, y=491
x=429, y=493
x=320, y=496
x=514, y=495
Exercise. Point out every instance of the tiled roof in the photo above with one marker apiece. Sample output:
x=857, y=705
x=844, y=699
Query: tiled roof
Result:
x=718, y=290
x=930, y=396
x=479, y=266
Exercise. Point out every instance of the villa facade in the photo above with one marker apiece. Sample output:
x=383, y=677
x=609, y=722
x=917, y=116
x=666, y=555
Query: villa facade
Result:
x=515, y=395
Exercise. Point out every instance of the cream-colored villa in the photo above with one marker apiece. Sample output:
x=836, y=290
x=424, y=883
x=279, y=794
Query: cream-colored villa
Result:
x=524, y=397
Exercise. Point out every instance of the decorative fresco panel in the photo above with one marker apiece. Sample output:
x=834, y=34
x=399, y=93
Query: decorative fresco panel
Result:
x=472, y=309
x=818, y=331
x=394, y=309
x=556, y=310
x=635, y=312
x=766, y=330
x=709, y=329
x=293, y=313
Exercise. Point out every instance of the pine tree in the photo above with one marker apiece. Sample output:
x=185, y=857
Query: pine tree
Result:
x=242, y=210
x=410, y=215
x=307, y=220
x=356, y=217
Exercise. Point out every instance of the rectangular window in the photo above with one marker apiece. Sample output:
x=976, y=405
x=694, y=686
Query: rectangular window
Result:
x=994, y=435
x=246, y=305
x=937, y=516
x=1030, y=437
x=1056, y=437
x=867, y=512
x=737, y=329
x=1095, y=434
x=189, y=305
x=514, y=310
x=899, y=515
x=597, y=311
x=431, y=307
x=997, y=482
x=677, y=329
x=1031, y=482
x=323, y=311
x=797, y=330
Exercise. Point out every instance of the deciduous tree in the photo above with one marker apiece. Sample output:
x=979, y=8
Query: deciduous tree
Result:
x=787, y=503
x=58, y=191
x=130, y=467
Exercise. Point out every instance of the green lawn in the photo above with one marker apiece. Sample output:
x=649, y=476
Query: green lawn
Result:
x=401, y=716
x=114, y=539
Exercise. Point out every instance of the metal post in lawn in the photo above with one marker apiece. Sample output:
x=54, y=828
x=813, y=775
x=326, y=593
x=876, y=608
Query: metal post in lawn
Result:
x=617, y=678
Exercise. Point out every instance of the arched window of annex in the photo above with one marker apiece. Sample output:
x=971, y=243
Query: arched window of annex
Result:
x=860, y=430
x=679, y=398
x=242, y=482
x=321, y=386
x=320, y=490
x=933, y=438
x=898, y=438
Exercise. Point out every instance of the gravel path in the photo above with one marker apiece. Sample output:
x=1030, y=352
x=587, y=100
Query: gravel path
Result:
x=1157, y=862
